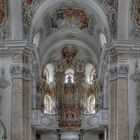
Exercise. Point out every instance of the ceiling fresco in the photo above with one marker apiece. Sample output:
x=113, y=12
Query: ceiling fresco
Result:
x=70, y=15
x=70, y=18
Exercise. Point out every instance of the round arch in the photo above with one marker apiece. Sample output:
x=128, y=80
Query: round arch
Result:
x=60, y=44
x=94, y=5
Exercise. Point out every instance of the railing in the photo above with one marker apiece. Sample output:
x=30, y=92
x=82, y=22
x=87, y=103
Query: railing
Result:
x=88, y=121
x=41, y=120
x=96, y=120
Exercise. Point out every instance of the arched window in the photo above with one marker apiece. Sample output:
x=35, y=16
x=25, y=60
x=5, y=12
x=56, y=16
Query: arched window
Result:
x=36, y=39
x=91, y=104
x=103, y=39
x=48, y=73
x=47, y=104
x=90, y=73
x=69, y=75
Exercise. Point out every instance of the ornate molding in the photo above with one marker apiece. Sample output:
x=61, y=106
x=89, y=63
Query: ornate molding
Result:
x=118, y=71
x=21, y=71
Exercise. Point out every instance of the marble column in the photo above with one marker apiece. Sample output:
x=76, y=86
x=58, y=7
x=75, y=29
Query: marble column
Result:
x=21, y=96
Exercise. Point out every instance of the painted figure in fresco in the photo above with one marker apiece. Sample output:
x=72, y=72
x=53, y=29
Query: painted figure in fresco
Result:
x=1, y=11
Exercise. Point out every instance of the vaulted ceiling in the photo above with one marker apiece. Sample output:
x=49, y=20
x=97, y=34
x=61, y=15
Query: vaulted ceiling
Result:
x=60, y=23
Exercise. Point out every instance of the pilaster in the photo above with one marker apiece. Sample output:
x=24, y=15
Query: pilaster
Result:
x=118, y=92
x=21, y=72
